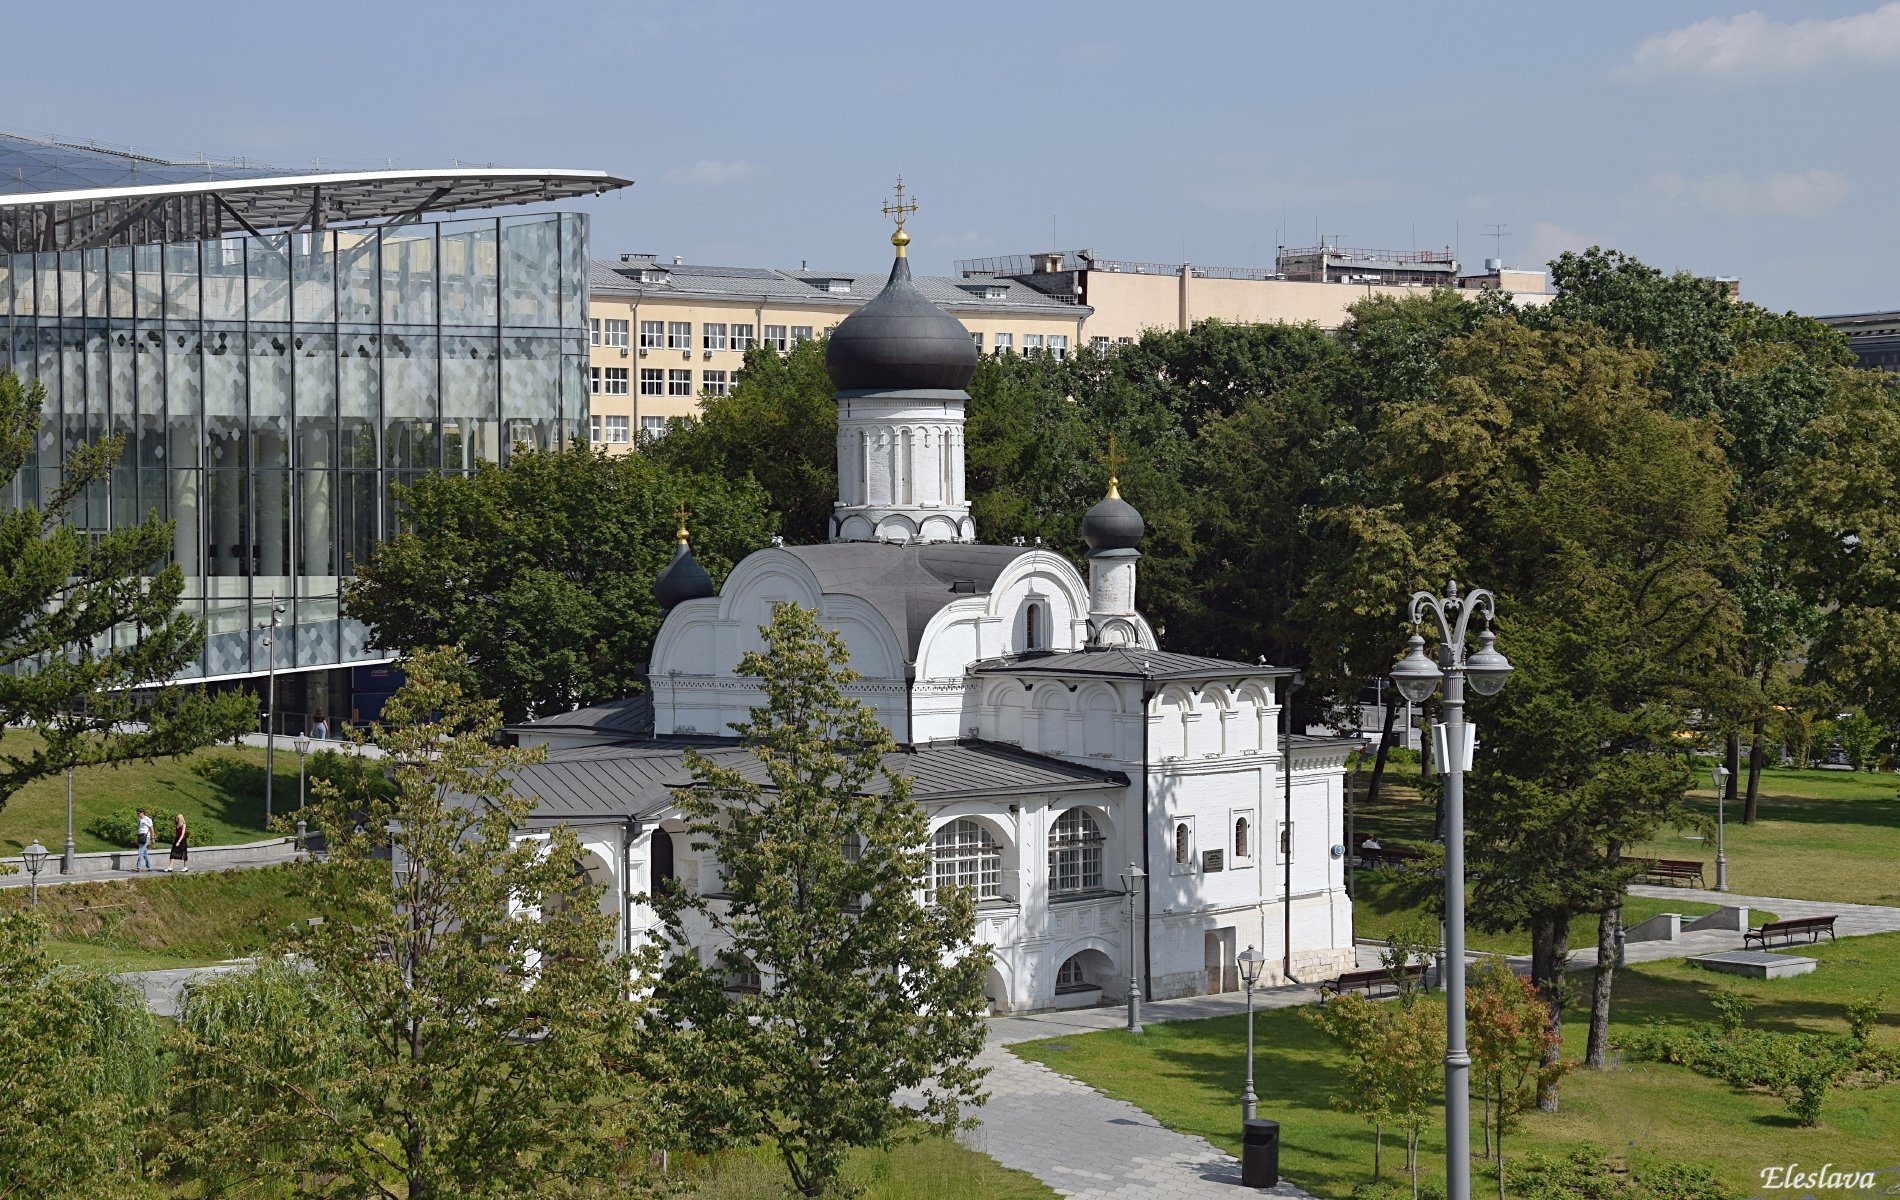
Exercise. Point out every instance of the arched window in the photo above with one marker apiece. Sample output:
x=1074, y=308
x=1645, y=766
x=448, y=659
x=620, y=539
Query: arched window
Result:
x=661, y=859
x=1242, y=844
x=1035, y=636
x=1181, y=844
x=963, y=854
x=1075, y=852
x=1071, y=977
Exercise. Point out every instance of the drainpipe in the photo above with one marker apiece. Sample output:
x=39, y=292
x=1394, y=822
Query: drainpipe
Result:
x=626, y=886
x=1286, y=775
x=1147, y=864
x=910, y=703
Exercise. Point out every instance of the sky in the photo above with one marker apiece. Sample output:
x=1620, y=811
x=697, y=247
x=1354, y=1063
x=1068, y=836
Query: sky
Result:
x=1743, y=140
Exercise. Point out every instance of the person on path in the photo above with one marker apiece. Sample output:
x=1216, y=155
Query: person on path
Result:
x=181, y=849
x=322, y=728
x=144, y=860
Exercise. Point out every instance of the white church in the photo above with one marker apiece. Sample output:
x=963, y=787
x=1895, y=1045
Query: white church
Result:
x=1049, y=738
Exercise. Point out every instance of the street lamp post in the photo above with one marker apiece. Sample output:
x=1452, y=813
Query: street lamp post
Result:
x=66, y=863
x=35, y=857
x=270, y=702
x=1417, y=677
x=1721, y=775
x=1131, y=883
x=1251, y=962
x=303, y=748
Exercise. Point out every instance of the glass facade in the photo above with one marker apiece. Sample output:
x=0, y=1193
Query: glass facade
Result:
x=273, y=390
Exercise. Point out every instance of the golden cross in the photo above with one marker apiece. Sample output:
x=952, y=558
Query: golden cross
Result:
x=899, y=210
x=1114, y=462
x=682, y=512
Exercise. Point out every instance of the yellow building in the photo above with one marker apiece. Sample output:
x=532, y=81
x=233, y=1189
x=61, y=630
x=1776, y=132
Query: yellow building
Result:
x=663, y=335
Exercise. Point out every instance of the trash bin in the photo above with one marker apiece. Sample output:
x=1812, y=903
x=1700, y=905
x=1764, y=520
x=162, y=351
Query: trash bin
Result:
x=1260, y=1154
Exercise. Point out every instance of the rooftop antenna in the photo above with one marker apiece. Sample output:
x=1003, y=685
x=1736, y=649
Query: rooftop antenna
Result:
x=1497, y=233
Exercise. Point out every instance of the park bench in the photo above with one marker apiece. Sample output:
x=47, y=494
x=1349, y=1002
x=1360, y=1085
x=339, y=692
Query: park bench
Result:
x=1791, y=929
x=1376, y=977
x=1672, y=870
x=1388, y=856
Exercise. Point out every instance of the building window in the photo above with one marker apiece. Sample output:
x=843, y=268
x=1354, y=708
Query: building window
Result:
x=742, y=337
x=744, y=983
x=652, y=426
x=713, y=336
x=1059, y=345
x=617, y=429
x=1075, y=853
x=801, y=334
x=679, y=335
x=775, y=337
x=715, y=382
x=679, y=383
x=1071, y=977
x=593, y=331
x=613, y=381
x=651, y=333
x=613, y=334
x=652, y=381
x=1243, y=838
x=964, y=855
x=593, y=429
x=1124, y=341
x=1284, y=852
x=1035, y=635
x=1005, y=343
x=1183, y=844
x=593, y=382
x=1032, y=343
x=1100, y=345
x=978, y=339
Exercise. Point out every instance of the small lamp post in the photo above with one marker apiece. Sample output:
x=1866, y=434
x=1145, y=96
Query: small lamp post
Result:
x=1250, y=962
x=303, y=748
x=66, y=859
x=35, y=857
x=269, y=640
x=1131, y=884
x=1721, y=776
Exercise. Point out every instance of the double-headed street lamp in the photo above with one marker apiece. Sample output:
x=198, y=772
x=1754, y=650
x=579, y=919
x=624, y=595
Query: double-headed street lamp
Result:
x=1721, y=775
x=1131, y=883
x=303, y=748
x=35, y=858
x=270, y=629
x=1250, y=962
x=1417, y=677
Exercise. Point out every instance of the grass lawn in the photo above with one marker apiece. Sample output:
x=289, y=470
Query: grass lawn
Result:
x=1188, y=1074
x=1822, y=835
x=932, y=1169
x=168, y=920
x=217, y=814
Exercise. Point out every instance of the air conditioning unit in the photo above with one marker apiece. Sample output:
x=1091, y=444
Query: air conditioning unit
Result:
x=643, y=352
x=708, y=354
x=623, y=352
x=686, y=354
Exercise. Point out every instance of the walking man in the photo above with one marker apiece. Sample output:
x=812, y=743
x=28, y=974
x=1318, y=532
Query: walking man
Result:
x=144, y=860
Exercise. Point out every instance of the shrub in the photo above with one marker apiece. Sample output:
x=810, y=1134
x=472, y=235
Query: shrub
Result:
x=1863, y=1013
x=118, y=826
x=1585, y=1174
x=231, y=773
x=1731, y=1009
x=351, y=775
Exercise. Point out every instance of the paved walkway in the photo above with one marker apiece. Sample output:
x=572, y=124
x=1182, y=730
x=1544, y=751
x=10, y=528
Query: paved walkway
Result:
x=204, y=859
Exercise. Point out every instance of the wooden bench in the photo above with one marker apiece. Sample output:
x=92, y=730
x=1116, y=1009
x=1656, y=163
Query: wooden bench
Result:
x=1791, y=929
x=1376, y=977
x=1672, y=870
x=1388, y=856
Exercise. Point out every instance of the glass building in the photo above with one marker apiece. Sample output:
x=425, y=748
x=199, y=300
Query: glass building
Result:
x=279, y=353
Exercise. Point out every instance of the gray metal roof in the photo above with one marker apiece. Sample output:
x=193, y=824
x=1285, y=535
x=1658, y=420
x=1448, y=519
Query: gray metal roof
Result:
x=1126, y=663
x=608, y=276
x=907, y=584
x=628, y=716
x=638, y=781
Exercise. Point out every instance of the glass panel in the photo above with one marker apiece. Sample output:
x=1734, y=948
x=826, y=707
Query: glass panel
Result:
x=356, y=276
x=359, y=408
x=313, y=278
x=181, y=282
x=573, y=271
x=227, y=528
x=269, y=398
x=316, y=533
x=72, y=284
x=228, y=638
x=469, y=273
x=148, y=366
x=530, y=390
x=46, y=284
x=471, y=378
x=272, y=527
x=268, y=272
x=315, y=365
x=223, y=261
x=409, y=277
x=119, y=281
x=409, y=400
x=94, y=263
x=530, y=272
x=184, y=398
x=316, y=631
x=148, y=281
x=357, y=494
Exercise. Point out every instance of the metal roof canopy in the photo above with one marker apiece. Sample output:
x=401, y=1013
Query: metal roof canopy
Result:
x=203, y=209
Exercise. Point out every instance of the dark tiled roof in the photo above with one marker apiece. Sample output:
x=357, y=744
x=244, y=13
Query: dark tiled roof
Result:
x=1126, y=663
x=616, y=782
x=629, y=716
x=907, y=584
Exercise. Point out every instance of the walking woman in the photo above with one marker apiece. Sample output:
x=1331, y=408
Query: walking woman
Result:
x=181, y=847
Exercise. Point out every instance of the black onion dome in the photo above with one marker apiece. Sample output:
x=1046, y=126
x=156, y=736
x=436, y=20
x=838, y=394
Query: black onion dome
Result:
x=683, y=579
x=900, y=341
x=1113, y=524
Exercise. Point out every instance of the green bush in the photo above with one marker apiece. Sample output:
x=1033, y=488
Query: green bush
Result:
x=1585, y=1174
x=1797, y=1068
x=118, y=826
x=1863, y=1013
x=1731, y=1009
x=349, y=774
x=230, y=773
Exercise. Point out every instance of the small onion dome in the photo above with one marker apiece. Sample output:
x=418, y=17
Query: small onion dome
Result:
x=900, y=341
x=1113, y=524
x=683, y=579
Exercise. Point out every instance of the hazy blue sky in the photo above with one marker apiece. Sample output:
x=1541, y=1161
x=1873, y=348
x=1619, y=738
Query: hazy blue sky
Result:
x=1751, y=140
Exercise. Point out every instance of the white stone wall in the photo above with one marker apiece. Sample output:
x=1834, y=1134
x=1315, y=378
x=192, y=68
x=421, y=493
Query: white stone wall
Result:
x=900, y=470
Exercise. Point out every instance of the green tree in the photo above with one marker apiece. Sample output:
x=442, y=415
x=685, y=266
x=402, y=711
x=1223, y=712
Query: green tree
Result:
x=83, y=1062
x=779, y=427
x=455, y=1027
x=1365, y=1085
x=543, y=569
x=1513, y=1049
x=89, y=619
x=863, y=987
